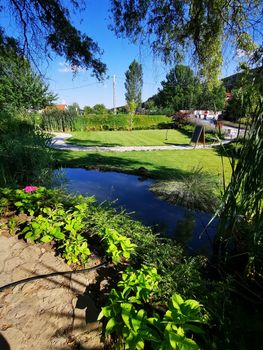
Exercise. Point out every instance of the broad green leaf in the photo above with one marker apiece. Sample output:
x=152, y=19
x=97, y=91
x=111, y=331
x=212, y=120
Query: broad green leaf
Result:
x=194, y=328
x=176, y=300
x=183, y=343
x=110, y=325
x=46, y=239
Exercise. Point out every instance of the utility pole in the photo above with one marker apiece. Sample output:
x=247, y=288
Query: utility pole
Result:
x=114, y=93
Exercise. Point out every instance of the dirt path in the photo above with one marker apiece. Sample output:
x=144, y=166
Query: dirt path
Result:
x=51, y=313
x=59, y=143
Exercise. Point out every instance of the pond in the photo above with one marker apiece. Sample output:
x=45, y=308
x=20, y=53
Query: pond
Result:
x=130, y=192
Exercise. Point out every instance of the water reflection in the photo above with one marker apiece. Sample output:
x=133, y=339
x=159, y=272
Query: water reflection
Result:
x=132, y=193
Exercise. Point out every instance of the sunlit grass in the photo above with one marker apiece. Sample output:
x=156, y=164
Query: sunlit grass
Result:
x=129, y=138
x=158, y=164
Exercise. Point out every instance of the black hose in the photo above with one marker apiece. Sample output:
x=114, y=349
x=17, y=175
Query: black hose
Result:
x=59, y=273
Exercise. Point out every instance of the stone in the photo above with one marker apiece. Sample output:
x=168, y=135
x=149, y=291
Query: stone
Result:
x=45, y=313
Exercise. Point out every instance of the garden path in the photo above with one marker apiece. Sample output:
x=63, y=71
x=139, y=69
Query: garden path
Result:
x=48, y=313
x=58, y=142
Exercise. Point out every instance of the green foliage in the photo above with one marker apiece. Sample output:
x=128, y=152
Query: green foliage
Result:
x=44, y=229
x=174, y=29
x=56, y=120
x=247, y=89
x=183, y=90
x=47, y=24
x=121, y=122
x=128, y=315
x=179, y=273
x=133, y=85
x=241, y=212
x=87, y=110
x=75, y=249
x=29, y=203
x=25, y=155
x=20, y=86
x=74, y=108
x=99, y=109
x=140, y=284
x=180, y=90
x=131, y=106
x=212, y=98
x=117, y=245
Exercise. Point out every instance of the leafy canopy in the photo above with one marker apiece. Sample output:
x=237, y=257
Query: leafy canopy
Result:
x=46, y=24
x=194, y=26
x=183, y=90
x=20, y=86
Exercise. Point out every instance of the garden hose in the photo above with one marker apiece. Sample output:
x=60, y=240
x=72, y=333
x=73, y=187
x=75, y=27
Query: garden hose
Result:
x=59, y=273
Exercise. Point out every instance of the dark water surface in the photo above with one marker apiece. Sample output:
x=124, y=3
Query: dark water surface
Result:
x=132, y=193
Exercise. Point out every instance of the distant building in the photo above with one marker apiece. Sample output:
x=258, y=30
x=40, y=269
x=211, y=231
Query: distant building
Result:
x=202, y=114
x=60, y=107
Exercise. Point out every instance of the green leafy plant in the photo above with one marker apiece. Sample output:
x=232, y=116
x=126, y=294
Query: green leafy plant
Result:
x=142, y=283
x=117, y=245
x=12, y=225
x=135, y=324
x=30, y=202
x=43, y=229
x=182, y=318
x=75, y=249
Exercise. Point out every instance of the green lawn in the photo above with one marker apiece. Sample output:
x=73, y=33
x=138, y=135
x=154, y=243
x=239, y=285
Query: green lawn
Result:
x=159, y=164
x=129, y=138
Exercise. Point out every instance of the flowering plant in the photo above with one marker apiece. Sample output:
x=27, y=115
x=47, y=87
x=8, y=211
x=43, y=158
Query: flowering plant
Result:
x=28, y=189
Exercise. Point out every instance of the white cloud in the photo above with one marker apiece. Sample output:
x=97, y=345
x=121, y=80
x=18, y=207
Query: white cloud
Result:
x=67, y=68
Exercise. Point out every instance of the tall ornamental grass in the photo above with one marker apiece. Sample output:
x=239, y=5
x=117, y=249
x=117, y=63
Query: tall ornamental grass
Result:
x=55, y=120
x=24, y=152
x=240, y=236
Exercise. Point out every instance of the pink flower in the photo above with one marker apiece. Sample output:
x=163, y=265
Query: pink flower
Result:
x=30, y=189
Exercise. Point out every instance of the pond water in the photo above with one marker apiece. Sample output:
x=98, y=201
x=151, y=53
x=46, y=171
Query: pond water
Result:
x=132, y=193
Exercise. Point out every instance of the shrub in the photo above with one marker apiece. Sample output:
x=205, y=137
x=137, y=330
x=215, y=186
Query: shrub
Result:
x=122, y=122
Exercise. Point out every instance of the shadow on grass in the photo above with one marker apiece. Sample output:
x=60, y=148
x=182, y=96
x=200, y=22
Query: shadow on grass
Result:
x=80, y=142
x=115, y=163
x=178, y=144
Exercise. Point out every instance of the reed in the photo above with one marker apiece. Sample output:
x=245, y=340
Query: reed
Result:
x=240, y=233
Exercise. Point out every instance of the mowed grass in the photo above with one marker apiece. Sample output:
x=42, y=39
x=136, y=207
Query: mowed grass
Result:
x=158, y=164
x=161, y=137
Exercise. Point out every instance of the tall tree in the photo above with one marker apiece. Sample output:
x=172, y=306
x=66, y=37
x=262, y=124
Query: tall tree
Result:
x=212, y=99
x=46, y=24
x=100, y=108
x=180, y=89
x=20, y=86
x=193, y=26
x=133, y=83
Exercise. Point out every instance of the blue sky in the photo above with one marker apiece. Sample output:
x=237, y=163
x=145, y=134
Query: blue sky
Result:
x=118, y=54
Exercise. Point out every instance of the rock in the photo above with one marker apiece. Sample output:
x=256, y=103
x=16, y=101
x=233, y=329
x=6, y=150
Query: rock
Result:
x=45, y=313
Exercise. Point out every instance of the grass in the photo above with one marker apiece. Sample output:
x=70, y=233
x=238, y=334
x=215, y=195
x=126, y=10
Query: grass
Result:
x=129, y=138
x=157, y=164
x=196, y=191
